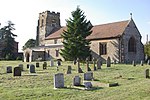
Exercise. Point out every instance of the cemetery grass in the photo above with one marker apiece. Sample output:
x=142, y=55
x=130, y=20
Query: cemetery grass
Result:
x=39, y=86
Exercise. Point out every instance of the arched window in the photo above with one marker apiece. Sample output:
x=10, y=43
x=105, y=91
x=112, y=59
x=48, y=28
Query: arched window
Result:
x=132, y=45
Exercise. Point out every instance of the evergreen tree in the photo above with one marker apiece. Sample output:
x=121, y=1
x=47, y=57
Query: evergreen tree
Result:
x=75, y=43
x=147, y=49
x=9, y=40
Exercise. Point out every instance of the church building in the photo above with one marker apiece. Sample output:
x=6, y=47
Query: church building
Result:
x=121, y=41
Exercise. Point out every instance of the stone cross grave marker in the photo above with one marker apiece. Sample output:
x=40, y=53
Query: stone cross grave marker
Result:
x=69, y=70
x=21, y=66
x=76, y=81
x=108, y=62
x=88, y=76
x=51, y=62
x=9, y=69
x=147, y=73
x=58, y=80
x=99, y=64
x=17, y=71
x=32, y=68
x=37, y=64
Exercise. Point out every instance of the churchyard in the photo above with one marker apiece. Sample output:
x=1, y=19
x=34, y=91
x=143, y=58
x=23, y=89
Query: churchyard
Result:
x=40, y=83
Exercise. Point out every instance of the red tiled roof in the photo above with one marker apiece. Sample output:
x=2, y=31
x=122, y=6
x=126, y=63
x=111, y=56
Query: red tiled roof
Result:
x=109, y=30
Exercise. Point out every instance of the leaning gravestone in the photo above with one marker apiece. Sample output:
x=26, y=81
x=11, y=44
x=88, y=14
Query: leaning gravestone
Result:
x=147, y=73
x=88, y=76
x=108, y=62
x=32, y=68
x=69, y=70
x=99, y=64
x=17, y=71
x=37, y=64
x=21, y=66
x=9, y=69
x=59, y=80
x=51, y=62
x=76, y=81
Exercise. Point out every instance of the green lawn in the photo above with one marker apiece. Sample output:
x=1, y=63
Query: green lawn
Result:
x=39, y=86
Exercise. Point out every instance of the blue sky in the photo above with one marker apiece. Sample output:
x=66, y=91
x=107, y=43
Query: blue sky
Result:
x=24, y=13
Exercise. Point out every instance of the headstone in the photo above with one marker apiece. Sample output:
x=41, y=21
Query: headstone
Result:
x=142, y=63
x=94, y=61
x=9, y=69
x=147, y=73
x=59, y=80
x=148, y=62
x=32, y=68
x=88, y=76
x=58, y=63
x=28, y=66
x=133, y=63
x=44, y=65
x=69, y=70
x=76, y=81
x=17, y=71
x=108, y=62
x=21, y=66
x=99, y=64
x=51, y=62
x=37, y=64
x=87, y=65
x=88, y=85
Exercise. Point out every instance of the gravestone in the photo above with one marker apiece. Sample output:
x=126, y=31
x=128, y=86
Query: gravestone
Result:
x=37, y=64
x=76, y=81
x=141, y=63
x=88, y=85
x=59, y=80
x=32, y=68
x=58, y=63
x=51, y=62
x=88, y=76
x=21, y=66
x=28, y=66
x=99, y=64
x=9, y=69
x=94, y=61
x=87, y=65
x=69, y=70
x=17, y=71
x=133, y=63
x=108, y=62
x=147, y=73
x=44, y=65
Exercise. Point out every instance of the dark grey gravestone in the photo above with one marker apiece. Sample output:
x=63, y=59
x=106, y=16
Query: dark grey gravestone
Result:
x=21, y=66
x=108, y=62
x=147, y=73
x=58, y=63
x=69, y=70
x=76, y=81
x=32, y=68
x=9, y=69
x=28, y=66
x=37, y=64
x=59, y=80
x=17, y=71
x=44, y=65
x=99, y=64
x=88, y=76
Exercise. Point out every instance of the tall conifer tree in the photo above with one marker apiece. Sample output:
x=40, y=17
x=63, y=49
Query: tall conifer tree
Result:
x=75, y=43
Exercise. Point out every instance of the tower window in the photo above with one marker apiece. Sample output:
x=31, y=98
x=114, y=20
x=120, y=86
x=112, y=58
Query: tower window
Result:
x=103, y=48
x=132, y=45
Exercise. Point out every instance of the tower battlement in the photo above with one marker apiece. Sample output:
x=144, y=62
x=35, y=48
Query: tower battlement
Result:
x=50, y=13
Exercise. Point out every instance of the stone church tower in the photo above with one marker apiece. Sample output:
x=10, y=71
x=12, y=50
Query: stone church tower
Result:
x=48, y=23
